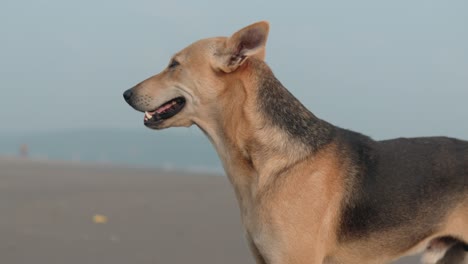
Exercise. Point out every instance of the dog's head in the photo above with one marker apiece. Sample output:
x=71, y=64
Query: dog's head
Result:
x=191, y=84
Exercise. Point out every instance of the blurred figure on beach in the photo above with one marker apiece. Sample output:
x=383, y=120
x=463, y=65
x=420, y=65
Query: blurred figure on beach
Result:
x=24, y=151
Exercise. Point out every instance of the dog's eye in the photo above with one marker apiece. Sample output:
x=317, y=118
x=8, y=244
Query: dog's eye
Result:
x=173, y=64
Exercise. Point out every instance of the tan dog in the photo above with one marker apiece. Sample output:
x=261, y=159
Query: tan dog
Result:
x=310, y=192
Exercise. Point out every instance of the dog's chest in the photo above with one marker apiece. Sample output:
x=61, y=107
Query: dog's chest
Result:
x=258, y=223
x=262, y=236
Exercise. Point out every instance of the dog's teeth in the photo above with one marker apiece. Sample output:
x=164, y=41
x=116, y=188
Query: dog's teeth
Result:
x=148, y=115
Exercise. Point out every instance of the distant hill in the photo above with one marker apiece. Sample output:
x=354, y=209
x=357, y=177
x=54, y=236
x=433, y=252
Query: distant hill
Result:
x=175, y=148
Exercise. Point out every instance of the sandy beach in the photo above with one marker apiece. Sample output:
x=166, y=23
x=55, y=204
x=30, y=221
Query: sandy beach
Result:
x=58, y=212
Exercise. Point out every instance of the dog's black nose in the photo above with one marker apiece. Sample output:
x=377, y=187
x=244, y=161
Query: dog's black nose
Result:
x=127, y=95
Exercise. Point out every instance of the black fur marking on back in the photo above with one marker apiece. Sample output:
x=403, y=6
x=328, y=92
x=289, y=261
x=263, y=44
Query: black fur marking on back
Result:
x=282, y=109
x=402, y=184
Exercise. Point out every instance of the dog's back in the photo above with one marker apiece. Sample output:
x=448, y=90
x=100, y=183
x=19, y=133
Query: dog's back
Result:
x=402, y=184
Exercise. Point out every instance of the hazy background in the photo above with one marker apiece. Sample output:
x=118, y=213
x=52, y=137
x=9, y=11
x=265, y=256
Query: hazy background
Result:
x=387, y=69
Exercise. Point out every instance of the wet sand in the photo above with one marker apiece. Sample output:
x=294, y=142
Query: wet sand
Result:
x=57, y=212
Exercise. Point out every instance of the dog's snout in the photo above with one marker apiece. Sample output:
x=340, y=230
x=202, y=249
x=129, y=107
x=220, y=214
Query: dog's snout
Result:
x=139, y=102
x=128, y=95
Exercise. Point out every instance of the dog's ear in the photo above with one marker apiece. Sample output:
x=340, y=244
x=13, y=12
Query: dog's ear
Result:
x=247, y=42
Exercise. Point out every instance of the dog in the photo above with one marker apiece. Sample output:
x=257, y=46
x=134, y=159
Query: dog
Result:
x=308, y=191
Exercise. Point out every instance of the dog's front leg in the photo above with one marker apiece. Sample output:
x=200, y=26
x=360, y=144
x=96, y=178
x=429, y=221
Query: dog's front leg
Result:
x=287, y=251
x=299, y=256
x=255, y=252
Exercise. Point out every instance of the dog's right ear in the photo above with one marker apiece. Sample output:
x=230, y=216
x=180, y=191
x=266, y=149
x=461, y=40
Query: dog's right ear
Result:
x=247, y=42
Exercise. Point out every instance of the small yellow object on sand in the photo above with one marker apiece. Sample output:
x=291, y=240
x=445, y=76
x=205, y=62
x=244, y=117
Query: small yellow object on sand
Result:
x=99, y=219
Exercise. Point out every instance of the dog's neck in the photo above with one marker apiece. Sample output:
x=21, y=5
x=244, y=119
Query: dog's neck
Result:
x=260, y=129
x=281, y=109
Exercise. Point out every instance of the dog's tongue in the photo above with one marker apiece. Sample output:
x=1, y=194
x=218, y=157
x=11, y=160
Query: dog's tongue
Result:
x=160, y=110
x=165, y=107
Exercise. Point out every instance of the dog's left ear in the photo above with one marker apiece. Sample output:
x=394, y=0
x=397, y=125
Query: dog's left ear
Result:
x=247, y=42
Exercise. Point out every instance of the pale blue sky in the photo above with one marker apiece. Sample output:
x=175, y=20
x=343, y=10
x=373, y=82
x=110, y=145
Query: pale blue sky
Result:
x=387, y=69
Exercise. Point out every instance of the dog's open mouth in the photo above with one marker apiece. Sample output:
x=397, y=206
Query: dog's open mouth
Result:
x=165, y=111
